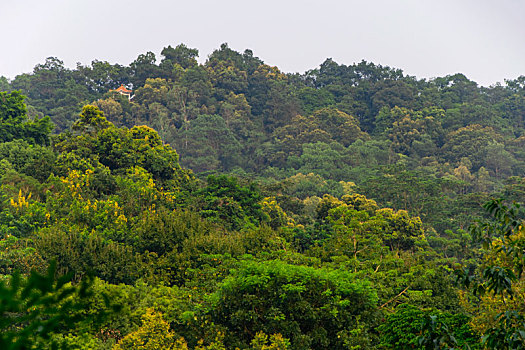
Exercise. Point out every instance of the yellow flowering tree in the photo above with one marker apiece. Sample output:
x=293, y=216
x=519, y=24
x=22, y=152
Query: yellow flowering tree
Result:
x=153, y=334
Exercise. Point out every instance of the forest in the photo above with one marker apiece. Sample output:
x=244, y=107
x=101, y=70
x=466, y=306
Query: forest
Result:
x=230, y=205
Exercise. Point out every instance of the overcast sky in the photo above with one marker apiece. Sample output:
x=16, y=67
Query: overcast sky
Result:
x=484, y=39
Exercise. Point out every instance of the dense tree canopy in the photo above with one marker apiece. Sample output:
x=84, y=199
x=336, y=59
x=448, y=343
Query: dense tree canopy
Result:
x=227, y=204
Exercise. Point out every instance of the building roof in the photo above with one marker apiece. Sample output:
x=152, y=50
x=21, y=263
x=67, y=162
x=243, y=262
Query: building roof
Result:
x=122, y=90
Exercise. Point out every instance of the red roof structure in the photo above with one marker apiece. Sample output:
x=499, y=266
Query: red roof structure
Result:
x=122, y=90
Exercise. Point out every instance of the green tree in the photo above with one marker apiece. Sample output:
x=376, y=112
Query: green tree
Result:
x=234, y=203
x=14, y=123
x=326, y=160
x=154, y=334
x=32, y=160
x=313, y=99
x=181, y=55
x=91, y=120
x=470, y=142
x=35, y=307
x=412, y=328
x=144, y=67
x=4, y=84
x=498, y=282
x=314, y=308
x=209, y=144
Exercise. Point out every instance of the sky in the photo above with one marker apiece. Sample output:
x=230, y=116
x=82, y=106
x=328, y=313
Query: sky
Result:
x=483, y=39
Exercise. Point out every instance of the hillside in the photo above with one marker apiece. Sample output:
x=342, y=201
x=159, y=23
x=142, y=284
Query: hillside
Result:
x=231, y=205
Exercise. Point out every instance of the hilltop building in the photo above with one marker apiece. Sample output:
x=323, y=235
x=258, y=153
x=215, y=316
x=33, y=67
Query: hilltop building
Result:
x=123, y=91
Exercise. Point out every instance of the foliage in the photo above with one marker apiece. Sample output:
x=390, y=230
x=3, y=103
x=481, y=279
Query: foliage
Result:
x=13, y=123
x=312, y=307
x=328, y=210
x=154, y=334
x=410, y=327
x=499, y=280
x=33, y=308
x=235, y=204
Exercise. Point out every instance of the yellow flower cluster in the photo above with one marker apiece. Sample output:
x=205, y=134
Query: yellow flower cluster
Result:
x=21, y=201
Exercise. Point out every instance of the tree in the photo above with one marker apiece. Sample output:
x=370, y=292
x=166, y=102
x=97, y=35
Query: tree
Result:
x=14, y=123
x=181, y=55
x=112, y=110
x=4, y=84
x=314, y=99
x=314, y=308
x=79, y=252
x=470, y=142
x=234, y=203
x=355, y=234
x=35, y=307
x=142, y=68
x=392, y=93
x=411, y=327
x=414, y=133
x=101, y=76
x=236, y=112
x=91, y=120
x=418, y=192
x=154, y=334
x=277, y=342
x=325, y=125
x=209, y=144
x=498, y=283
x=154, y=90
x=323, y=159
x=32, y=160
x=119, y=148
x=277, y=216
x=498, y=160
